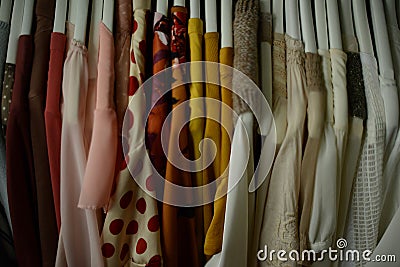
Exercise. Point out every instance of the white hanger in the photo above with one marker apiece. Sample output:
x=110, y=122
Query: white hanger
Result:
x=179, y=3
x=335, y=36
x=390, y=11
x=292, y=19
x=381, y=35
x=211, y=15
x=5, y=10
x=346, y=18
x=226, y=24
x=321, y=24
x=15, y=30
x=93, y=43
x=278, y=16
x=108, y=14
x=265, y=6
x=72, y=9
x=27, y=18
x=362, y=27
x=307, y=26
x=81, y=11
x=143, y=4
x=60, y=16
x=194, y=8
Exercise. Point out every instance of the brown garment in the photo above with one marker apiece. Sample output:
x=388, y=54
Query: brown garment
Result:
x=8, y=84
x=316, y=115
x=21, y=186
x=37, y=100
x=178, y=223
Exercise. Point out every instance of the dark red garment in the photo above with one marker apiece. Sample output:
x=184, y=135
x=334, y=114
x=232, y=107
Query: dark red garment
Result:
x=21, y=185
x=52, y=115
x=44, y=12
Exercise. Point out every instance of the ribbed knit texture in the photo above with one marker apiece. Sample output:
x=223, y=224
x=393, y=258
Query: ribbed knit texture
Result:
x=245, y=29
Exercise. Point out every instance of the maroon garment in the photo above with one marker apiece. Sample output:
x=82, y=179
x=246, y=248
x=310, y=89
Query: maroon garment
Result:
x=44, y=12
x=21, y=185
x=52, y=115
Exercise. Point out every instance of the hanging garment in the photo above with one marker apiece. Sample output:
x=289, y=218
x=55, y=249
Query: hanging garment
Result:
x=212, y=128
x=323, y=211
x=8, y=71
x=8, y=84
x=213, y=241
x=197, y=122
x=158, y=114
x=266, y=80
x=282, y=228
x=44, y=11
x=394, y=38
x=178, y=223
x=123, y=31
x=7, y=253
x=316, y=118
x=131, y=233
x=357, y=115
x=279, y=110
x=52, y=115
x=79, y=242
x=367, y=191
x=21, y=185
x=240, y=204
x=96, y=188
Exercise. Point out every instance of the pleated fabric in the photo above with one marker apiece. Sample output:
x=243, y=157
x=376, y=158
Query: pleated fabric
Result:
x=21, y=185
x=316, y=118
x=283, y=230
x=323, y=215
x=367, y=191
x=131, y=233
x=97, y=182
x=52, y=115
x=357, y=115
x=178, y=223
x=197, y=121
x=79, y=241
x=44, y=11
x=214, y=236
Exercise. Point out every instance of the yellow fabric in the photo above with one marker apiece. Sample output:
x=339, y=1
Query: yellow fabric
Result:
x=213, y=242
x=196, y=126
x=212, y=127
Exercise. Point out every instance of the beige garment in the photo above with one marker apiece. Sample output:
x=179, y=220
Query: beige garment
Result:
x=316, y=119
x=280, y=231
x=323, y=215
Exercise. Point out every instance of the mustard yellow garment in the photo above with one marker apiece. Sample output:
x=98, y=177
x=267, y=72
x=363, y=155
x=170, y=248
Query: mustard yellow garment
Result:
x=213, y=242
x=212, y=127
x=196, y=126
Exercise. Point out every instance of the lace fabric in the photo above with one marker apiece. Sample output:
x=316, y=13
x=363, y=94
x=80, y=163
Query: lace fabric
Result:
x=279, y=67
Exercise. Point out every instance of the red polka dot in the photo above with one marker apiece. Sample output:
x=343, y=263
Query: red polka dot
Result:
x=124, y=162
x=132, y=228
x=108, y=250
x=116, y=226
x=133, y=59
x=137, y=168
x=133, y=85
x=141, y=246
x=149, y=183
x=141, y=205
x=126, y=199
x=154, y=224
x=135, y=25
x=124, y=251
x=155, y=261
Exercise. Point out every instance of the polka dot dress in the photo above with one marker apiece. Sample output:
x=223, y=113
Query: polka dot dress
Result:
x=131, y=233
x=8, y=83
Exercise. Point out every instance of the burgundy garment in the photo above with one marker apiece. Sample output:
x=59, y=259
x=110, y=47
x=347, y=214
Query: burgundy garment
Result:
x=52, y=115
x=21, y=185
x=37, y=101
